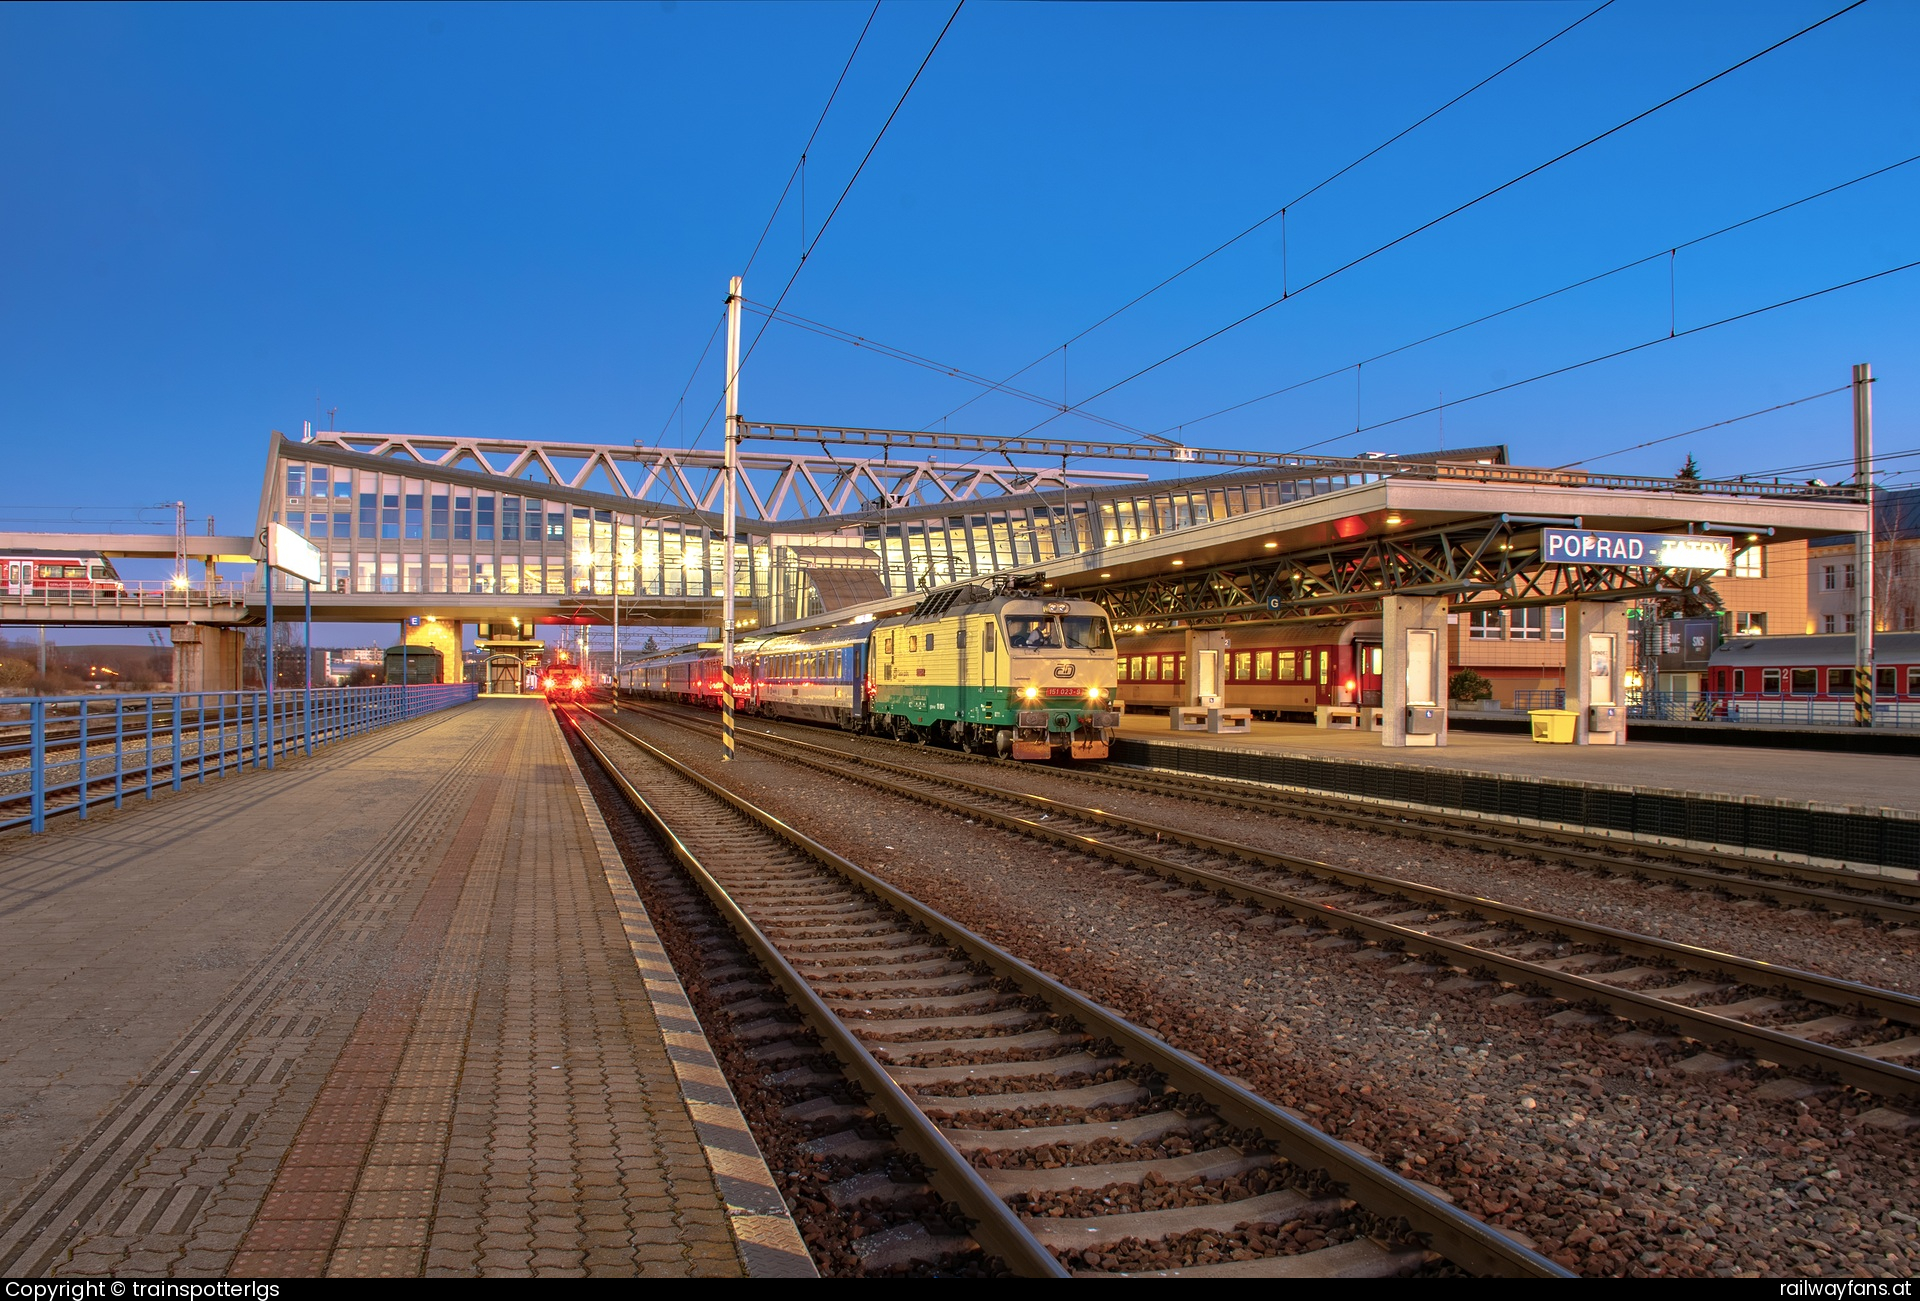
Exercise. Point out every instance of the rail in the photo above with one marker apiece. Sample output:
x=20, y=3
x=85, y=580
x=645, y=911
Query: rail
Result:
x=1765, y=711
x=68, y=754
x=137, y=595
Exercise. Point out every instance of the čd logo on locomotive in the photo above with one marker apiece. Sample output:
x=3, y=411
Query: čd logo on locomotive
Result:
x=1063, y=670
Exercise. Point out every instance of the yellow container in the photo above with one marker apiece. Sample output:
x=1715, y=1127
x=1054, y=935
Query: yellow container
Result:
x=1554, y=726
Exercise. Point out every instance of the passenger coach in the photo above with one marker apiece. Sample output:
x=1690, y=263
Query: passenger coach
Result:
x=1754, y=677
x=1273, y=670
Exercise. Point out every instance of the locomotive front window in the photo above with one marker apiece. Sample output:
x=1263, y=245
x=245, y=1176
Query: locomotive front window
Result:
x=1087, y=632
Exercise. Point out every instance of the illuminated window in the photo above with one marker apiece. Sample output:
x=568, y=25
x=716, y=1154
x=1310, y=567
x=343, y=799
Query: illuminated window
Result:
x=1120, y=668
x=1263, y=666
x=1153, y=668
x=1177, y=668
x=1750, y=562
x=1287, y=668
x=1243, y=666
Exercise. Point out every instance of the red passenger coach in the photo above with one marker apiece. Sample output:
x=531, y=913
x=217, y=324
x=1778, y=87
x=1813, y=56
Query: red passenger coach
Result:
x=1747, y=673
x=1272, y=670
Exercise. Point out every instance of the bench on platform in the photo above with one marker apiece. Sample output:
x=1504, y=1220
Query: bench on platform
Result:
x=1229, y=722
x=1340, y=716
x=1187, y=718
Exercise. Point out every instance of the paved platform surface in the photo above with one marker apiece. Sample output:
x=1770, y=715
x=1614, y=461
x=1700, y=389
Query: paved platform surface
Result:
x=383, y=1012
x=1838, y=780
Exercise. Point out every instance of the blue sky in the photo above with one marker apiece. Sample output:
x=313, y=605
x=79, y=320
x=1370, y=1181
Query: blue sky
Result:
x=519, y=221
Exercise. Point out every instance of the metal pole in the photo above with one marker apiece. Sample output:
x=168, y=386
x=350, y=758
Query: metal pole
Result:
x=729, y=524
x=267, y=569
x=1863, y=548
x=306, y=707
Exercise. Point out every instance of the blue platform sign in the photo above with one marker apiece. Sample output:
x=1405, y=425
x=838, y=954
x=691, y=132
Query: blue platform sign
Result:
x=1274, y=603
x=1642, y=550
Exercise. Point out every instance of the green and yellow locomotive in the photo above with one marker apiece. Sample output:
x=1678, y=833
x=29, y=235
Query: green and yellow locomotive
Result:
x=997, y=668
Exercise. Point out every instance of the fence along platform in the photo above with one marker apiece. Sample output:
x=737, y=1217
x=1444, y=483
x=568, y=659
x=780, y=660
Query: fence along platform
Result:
x=68, y=754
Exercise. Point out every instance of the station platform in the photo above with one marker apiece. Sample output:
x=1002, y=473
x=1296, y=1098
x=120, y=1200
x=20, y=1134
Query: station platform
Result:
x=1859, y=811
x=394, y=1009
x=1839, y=780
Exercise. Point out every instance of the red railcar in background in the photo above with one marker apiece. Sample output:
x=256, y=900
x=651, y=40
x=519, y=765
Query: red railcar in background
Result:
x=29, y=572
x=1274, y=670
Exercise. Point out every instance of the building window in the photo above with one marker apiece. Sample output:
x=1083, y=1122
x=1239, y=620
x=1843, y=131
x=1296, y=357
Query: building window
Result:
x=1826, y=578
x=1839, y=682
x=1750, y=562
x=1527, y=624
x=1849, y=617
x=1484, y=625
x=1806, y=682
x=1557, y=623
x=1769, y=682
x=1829, y=623
x=1747, y=623
x=296, y=481
x=1849, y=578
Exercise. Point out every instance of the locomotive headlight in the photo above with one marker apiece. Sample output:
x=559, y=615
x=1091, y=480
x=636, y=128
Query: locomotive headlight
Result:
x=1094, y=693
x=1031, y=693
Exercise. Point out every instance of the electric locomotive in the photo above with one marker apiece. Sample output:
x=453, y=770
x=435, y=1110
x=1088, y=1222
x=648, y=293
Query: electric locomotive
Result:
x=999, y=667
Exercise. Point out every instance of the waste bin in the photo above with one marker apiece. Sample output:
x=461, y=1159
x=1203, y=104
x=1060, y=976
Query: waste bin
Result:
x=1553, y=725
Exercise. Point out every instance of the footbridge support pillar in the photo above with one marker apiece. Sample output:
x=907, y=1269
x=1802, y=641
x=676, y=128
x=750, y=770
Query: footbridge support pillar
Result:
x=207, y=658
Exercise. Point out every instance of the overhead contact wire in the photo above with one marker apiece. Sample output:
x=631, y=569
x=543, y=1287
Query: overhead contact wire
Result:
x=1450, y=213
x=1281, y=211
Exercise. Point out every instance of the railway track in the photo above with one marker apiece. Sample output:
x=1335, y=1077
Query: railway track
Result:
x=1856, y=1034
x=1880, y=896
x=1067, y=1135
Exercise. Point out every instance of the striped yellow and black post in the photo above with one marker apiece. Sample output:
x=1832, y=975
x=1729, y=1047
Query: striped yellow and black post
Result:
x=1862, y=696
x=726, y=712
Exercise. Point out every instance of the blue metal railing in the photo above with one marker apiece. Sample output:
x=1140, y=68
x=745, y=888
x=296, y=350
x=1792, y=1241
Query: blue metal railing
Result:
x=1545, y=698
x=66, y=754
x=1770, y=711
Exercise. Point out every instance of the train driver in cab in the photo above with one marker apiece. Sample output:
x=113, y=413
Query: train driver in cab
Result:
x=1032, y=634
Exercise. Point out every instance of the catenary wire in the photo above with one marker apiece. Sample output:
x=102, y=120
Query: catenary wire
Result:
x=1609, y=356
x=851, y=180
x=1535, y=170
x=772, y=216
x=801, y=162
x=1141, y=297
x=1541, y=298
x=927, y=363
x=1701, y=429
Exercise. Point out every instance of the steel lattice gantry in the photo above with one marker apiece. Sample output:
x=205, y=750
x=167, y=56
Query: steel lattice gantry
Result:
x=1488, y=556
